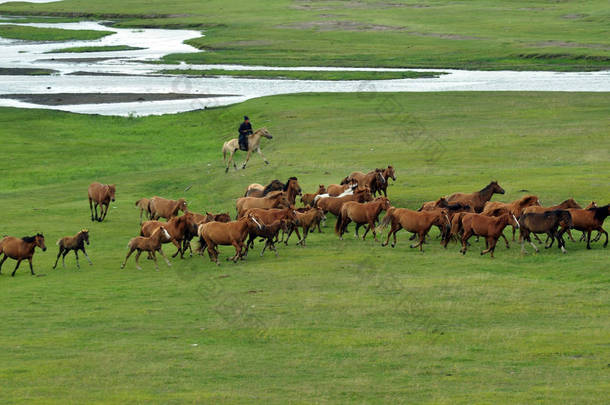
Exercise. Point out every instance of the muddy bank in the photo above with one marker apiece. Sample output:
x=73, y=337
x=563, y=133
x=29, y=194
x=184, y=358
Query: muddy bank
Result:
x=57, y=99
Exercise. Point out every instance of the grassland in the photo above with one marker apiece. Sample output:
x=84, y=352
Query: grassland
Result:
x=479, y=34
x=86, y=49
x=48, y=34
x=338, y=321
x=301, y=75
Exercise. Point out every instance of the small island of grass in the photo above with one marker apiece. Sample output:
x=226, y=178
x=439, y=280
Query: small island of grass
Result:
x=28, y=33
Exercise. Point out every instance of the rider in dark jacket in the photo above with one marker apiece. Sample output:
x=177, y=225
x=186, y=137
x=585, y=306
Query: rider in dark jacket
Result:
x=245, y=129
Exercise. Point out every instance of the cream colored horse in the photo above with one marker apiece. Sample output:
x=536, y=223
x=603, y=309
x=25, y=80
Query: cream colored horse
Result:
x=254, y=141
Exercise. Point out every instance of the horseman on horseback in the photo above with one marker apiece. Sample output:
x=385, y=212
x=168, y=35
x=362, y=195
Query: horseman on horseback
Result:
x=245, y=129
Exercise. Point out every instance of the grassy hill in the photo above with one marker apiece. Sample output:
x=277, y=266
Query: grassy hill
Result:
x=337, y=321
x=480, y=34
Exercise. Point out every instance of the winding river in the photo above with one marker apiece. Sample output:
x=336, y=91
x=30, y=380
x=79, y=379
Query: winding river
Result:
x=131, y=72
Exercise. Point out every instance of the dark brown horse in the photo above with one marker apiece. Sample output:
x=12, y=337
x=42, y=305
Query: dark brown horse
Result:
x=102, y=195
x=361, y=214
x=373, y=179
x=76, y=243
x=418, y=222
x=388, y=173
x=20, y=249
x=589, y=220
x=487, y=226
x=547, y=222
x=477, y=199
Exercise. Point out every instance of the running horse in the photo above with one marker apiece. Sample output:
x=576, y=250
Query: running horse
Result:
x=254, y=141
x=20, y=249
x=477, y=199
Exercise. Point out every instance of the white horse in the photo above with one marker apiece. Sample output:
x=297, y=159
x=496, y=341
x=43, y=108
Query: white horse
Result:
x=254, y=141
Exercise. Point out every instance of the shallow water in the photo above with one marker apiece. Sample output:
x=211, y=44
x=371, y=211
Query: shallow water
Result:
x=141, y=76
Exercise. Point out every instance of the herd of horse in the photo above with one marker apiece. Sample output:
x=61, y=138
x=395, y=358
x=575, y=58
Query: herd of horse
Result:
x=269, y=213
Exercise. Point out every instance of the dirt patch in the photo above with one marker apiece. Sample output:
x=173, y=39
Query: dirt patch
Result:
x=563, y=44
x=56, y=99
x=574, y=16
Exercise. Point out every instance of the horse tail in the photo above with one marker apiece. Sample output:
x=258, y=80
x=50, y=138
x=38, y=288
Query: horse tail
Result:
x=58, y=242
x=339, y=223
x=389, y=217
x=224, y=153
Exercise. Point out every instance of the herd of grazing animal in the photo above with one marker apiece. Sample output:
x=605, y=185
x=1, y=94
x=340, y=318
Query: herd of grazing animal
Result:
x=265, y=212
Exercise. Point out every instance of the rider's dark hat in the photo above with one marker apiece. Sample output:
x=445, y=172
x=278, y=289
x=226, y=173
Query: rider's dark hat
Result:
x=246, y=117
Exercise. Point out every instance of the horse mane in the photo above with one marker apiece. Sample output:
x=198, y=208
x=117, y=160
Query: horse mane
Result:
x=601, y=212
x=456, y=206
x=527, y=199
x=487, y=187
x=30, y=239
x=288, y=182
x=269, y=187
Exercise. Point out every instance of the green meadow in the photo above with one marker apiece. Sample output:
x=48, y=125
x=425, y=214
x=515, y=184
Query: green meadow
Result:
x=48, y=34
x=478, y=34
x=337, y=321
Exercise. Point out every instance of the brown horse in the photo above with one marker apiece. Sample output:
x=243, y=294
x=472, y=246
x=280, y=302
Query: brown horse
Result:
x=307, y=199
x=489, y=227
x=267, y=217
x=373, y=180
x=150, y=244
x=196, y=219
x=142, y=204
x=292, y=189
x=254, y=141
x=418, y=222
x=231, y=233
x=477, y=199
x=102, y=195
x=307, y=218
x=432, y=205
x=177, y=229
x=516, y=207
x=20, y=249
x=569, y=203
x=257, y=190
x=547, y=222
x=160, y=207
x=361, y=214
x=76, y=243
x=388, y=173
x=333, y=204
x=273, y=200
x=589, y=220
x=334, y=190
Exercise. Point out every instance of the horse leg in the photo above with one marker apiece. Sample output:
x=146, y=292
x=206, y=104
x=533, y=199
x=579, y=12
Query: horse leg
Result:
x=2, y=262
x=238, y=247
x=104, y=212
x=179, y=251
x=91, y=208
x=16, y=267
x=589, y=239
x=31, y=267
x=77, y=263
x=154, y=256
x=138, y=260
x=87, y=256
x=506, y=240
x=305, y=232
x=465, y=238
x=212, y=255
x=127, y=257
x=56, y=260
x=356, y=234
x=491, y=245
x=243, y=166
x=263, y=156
x=551, y=236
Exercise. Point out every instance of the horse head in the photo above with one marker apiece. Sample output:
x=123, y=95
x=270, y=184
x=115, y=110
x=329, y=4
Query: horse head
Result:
x=182, y=205
x=164, y=233
x=85, y=235
x=256, y=222
x=264, y=132
x=384, y=202
x=390, y=173
x=379, y=176
x=111, y=191
x=39, y=241
x=321, y=189
x=293, y=184
x=495, y=187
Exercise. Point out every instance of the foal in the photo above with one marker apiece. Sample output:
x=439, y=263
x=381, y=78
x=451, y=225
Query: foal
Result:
x=76, y=243
x=150, y=244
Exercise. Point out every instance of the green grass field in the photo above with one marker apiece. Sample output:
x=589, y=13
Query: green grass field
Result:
x=48, y=34
x=338, y=321
x=478, y=34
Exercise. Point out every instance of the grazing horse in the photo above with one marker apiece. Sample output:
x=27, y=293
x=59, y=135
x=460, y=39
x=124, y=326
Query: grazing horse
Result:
x=418, y=222
x=254, y=141
x=20, y=249
x=308, y=199
x=589, y=220
x=307, y=218
x=516, y=207
x=362, y=214
x=177, y=229
x=277, y=200
x=477, y=199
x=150, y=244
x=142, y=204
x=76, y=243
x=333, y=204
x=160, y=207
x=232, y=233
x=547, y=222
x=388, y=173
x=489, y=227
x=257, y=190
x=100, y=194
